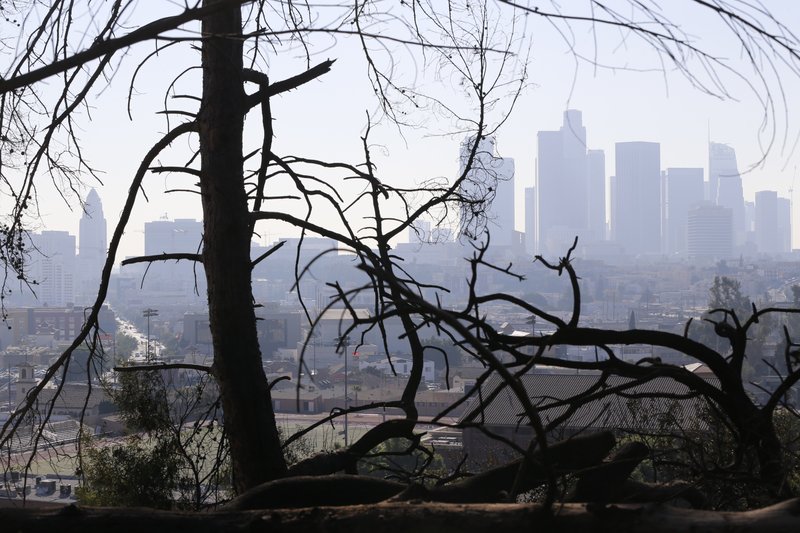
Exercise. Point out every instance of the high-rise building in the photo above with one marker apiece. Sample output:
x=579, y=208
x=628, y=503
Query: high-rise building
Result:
x=725, y=186
x=420, y=232
x=530, y=220
x=169, y=236
x=785, y=224
x=636, y=219
x=768, y=238
x=562, y=184
x=174, y=236
x=596, y=189
x=52, y=267
x=613, y=192
x=92, y=246
x=683, y=190
x=489, y=183
x=710, y=232
x=750, y=220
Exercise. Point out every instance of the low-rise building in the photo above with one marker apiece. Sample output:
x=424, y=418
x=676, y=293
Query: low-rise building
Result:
x=570, y=403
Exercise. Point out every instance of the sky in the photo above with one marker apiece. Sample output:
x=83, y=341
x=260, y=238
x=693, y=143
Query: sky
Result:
x=631, y=102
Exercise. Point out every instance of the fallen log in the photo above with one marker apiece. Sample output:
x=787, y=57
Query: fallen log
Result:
x=404, y=516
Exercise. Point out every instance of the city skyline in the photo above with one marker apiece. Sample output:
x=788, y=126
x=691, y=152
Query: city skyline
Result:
x=675, y=202
x=134, y=243
x=575, y=203
x=245, y=176
x=629, y=98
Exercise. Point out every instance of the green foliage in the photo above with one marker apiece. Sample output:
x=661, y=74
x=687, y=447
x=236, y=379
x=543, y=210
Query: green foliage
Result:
x=796, y=294
x=168, y=340
x=726, y=293
x=176, y=454
x=126, y=345
x=130, y=474
x=142, y=401
x=401, y=459
x=704, y=451
x=298, y=450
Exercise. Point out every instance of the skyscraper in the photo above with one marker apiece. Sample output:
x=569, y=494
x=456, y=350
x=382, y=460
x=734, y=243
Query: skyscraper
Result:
x=683, y=190
x=170, y=236
x=596, y=191
x=710, y=232
x=530, y=220
x=52, y=266
x=491, y=178
x=750, y=221
x=725, y=186
x=767, y=237
x=166, y=236
x=785, y=224
x=92, y=246
x=566, y=207
x=637, y=205
x=419, y=232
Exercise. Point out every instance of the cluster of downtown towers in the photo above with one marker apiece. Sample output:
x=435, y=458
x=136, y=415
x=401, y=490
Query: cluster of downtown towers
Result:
x=676, y=211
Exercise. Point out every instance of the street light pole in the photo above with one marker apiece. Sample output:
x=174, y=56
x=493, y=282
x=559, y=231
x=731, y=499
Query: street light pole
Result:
x=346, y=399
x=314, y=340
x=345, y=341
x=147, y=313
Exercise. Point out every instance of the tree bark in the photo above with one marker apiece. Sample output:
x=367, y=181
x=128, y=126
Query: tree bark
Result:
x=770, y=452
x=397, y=517
x=757, y=433
x=249, y=418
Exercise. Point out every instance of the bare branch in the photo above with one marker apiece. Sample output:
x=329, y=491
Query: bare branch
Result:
x=176, y=256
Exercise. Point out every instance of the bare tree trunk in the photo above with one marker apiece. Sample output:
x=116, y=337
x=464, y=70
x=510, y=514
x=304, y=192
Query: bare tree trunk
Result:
x=757, y=433
x=772, y=466
x=249, y=418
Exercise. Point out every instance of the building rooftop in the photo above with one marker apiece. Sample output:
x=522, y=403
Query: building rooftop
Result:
x=579, y=401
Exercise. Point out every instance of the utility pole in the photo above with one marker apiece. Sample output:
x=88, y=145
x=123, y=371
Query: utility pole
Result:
x=148, y=313
x=314, y=340
x=345, y=342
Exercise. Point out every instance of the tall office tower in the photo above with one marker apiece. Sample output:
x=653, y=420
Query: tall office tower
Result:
x=637, y=206
x=562, y=184
x=596, y=190
x=179, y=235
x=92, y=247
x=491, y=178
x=725, y=186
x=683, y=189
x=749, y=217
x=750, y=224
x=785, y=224
x=419, y=232
x=170, y=236
x=530, y=220
x=767, y=238
x=52, y=266
x=710, y=232
x=612, y=206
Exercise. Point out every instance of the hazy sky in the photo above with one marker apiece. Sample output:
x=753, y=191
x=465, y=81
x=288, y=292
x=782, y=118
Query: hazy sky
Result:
x=325, y=118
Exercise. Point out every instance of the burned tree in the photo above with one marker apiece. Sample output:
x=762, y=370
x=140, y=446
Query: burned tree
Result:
x=235, y=198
